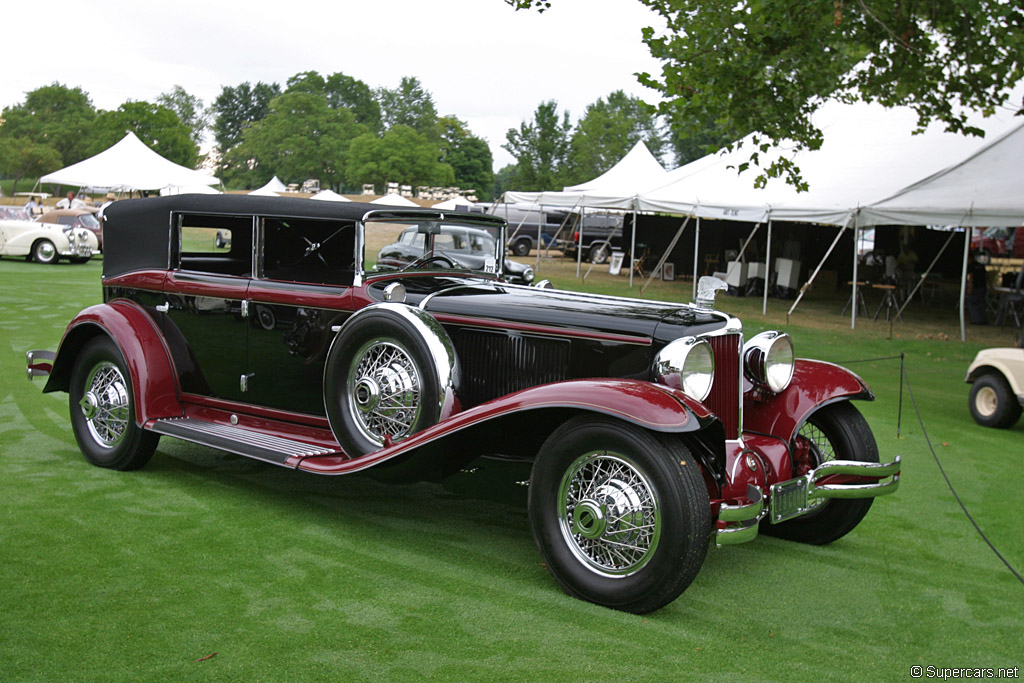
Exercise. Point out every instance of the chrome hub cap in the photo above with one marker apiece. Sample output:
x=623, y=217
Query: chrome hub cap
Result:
x=608, y=514
x=385, y=388
x=105, y=404
x=46, y=250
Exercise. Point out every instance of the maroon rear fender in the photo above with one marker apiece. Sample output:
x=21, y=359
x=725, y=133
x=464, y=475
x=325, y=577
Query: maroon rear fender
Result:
x=137, y=336
x=815, y=383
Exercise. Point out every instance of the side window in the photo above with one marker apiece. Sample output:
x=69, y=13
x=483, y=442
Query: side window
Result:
x=215, y=244
x=66, y=220
x=311, y=251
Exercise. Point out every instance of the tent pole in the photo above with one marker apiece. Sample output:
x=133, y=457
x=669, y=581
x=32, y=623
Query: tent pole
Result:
x=767, y=261
x=828, y=253
x=696, y=255
x=928, y=271
x=579, y=247
x=632, y=248
x=853, y=295
x=963, y=282
x=668, y=252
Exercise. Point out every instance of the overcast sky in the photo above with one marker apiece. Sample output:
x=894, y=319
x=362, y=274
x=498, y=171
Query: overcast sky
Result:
x=481, y=60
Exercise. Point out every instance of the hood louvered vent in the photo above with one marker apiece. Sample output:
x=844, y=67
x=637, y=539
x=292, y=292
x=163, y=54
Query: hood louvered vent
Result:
x=499, y=363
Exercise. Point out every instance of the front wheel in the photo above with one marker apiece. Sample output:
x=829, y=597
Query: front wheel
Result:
x=834, y=432
x=44, y=251
x=103, y=409
x=993, y=403
x=620, y=515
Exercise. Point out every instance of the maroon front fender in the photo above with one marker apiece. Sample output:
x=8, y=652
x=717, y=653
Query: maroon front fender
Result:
x=153, y=378
x=648, y=405
x=815, y=383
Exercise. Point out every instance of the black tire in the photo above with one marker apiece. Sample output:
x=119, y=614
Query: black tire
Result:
x=44, y=251
x=378, y=357
x=651, y=480
x=79, y=259
x=837, y=432
x=522, y=247
x=103, y=409
x=599, y=254
x=993, y=403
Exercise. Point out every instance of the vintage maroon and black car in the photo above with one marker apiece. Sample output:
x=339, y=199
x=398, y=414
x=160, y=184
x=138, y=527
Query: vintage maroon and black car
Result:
x=651, y=427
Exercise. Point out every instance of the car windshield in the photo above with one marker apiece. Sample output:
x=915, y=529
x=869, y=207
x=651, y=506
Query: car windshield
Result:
x=430, y=245
x=87, y=220
x=14, y=213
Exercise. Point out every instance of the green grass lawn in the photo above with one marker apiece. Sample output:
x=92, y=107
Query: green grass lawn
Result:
x=287, y=576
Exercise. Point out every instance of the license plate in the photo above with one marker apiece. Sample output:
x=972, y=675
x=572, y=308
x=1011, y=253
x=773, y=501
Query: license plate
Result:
x=789, y=499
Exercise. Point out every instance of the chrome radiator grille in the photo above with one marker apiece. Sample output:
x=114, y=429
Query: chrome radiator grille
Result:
x=724, y=399
x=497, y=363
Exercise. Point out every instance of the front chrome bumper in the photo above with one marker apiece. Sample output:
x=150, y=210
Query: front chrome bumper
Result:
x=789, y=499
x=39, y=363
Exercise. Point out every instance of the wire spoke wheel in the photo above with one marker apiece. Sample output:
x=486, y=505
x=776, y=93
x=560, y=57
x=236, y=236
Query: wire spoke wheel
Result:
x=105, y=404
x=608, y=514
x=385, y=387
x=103, y=409
x=821, y=450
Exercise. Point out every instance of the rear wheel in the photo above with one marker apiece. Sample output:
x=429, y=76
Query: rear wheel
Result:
x=103, y=409
x=620, y=515
x=599, y=254
x=993, y=403
x=44, y=251
x=521, y=247
x=834, y=432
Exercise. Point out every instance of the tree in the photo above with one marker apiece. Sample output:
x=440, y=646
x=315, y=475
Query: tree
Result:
x=468, y=155
x=156, y=125
x=21, y=157
x=353, y=94
x=301, y=137
x=189, y=109
x=54, y=115
x=541, y=150
x=409, y=105
x=237, y=107
x=402, y=155
x=608, y=130
x=759, y=67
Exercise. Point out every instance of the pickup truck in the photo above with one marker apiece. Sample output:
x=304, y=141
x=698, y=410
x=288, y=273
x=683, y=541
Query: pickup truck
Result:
x=601, y=235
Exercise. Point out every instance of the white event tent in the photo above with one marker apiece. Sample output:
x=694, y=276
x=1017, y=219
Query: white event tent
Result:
x=127, y=166
x=393, y=199
x=329, y=195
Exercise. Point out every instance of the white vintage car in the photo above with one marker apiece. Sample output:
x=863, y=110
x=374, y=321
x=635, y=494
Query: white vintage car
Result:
x=997, y=386
x=43, y=242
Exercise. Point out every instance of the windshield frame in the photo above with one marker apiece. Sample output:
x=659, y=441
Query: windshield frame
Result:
x=491, y=224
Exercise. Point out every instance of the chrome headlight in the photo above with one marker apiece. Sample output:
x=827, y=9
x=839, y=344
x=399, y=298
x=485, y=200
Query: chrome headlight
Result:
x=687, y=364
x=528, y=275
x=768, y=360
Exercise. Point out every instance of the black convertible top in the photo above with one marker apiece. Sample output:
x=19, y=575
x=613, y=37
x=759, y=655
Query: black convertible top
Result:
x=137, y=232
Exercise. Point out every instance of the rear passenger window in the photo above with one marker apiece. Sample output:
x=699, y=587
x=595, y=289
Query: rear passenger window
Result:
x=215, y=244
x=311, y=251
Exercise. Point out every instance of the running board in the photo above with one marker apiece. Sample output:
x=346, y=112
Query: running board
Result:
x=272, y=449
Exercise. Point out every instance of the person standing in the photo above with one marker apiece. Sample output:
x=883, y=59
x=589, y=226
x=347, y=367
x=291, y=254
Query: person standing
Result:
x=977, y=278
x=70, y=202
x=33, y=206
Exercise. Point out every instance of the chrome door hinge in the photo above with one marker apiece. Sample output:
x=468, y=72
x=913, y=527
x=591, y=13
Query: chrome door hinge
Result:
x=245, y=308
x=164, y=307
x=243, y=382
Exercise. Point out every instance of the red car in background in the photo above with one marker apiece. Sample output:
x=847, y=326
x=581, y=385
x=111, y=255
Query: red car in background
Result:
x=84, y=218
x=998, y=242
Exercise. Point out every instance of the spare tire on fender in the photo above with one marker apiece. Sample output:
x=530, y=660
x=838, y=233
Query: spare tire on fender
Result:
x=391, y=372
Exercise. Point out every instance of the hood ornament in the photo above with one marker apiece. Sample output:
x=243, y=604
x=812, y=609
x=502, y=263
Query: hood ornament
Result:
x=707, y=287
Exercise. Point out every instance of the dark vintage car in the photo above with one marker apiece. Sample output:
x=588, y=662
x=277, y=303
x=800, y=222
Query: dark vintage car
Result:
x=453, y=247
x=651, y=427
